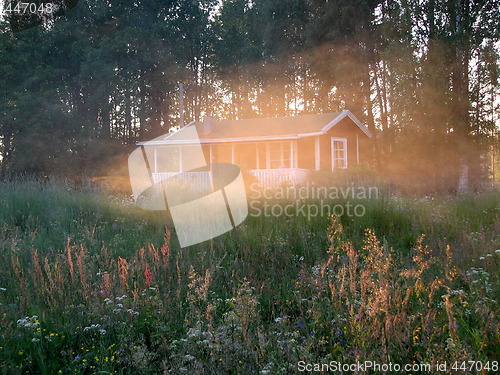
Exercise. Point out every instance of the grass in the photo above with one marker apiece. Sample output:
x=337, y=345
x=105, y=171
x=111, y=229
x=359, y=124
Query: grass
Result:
x=90, y=284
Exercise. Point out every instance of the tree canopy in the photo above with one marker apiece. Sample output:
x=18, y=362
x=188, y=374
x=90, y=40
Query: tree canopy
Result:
x=86, y=82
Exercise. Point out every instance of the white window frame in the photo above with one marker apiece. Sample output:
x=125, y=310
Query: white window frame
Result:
x=291, y=155
x=344, y=141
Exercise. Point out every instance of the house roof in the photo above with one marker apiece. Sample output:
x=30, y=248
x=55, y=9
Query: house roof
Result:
x=213, y=131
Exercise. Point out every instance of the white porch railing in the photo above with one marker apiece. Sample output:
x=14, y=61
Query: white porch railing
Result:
x=266, y=177
x=192, y=178
x=277, y=177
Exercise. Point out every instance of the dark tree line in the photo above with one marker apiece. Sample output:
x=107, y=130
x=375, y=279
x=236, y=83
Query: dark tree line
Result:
x=84, y=84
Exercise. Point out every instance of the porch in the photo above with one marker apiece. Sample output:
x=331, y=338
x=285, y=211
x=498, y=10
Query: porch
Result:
x=265, y=177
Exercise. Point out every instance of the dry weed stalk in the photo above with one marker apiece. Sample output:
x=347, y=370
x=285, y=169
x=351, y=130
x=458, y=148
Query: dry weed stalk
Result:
x=80, y=264
x=39, y=279
x=148, y=276
x=165, y=249
x=70, y=259
x=123, y=272
x=106, y=287
x=16, y=266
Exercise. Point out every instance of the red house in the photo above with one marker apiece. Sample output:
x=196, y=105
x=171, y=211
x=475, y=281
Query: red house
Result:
x=274, y=150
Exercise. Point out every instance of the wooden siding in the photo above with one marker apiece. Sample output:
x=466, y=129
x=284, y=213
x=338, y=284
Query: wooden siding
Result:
x=306, y=153
x=344, y=129
x=244, y=154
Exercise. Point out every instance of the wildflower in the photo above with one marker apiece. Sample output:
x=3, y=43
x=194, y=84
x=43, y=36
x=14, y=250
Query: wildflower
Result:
x=123, y=271
x=148, y=276
x=93, y=326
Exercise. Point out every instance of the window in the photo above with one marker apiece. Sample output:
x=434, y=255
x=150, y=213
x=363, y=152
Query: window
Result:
x=280, y=155
x=276, y=155
x=339, y=153
x=164, y=159
x=261, y=156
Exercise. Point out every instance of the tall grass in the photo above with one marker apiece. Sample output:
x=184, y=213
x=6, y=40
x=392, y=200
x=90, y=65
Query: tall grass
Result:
x=89, y=284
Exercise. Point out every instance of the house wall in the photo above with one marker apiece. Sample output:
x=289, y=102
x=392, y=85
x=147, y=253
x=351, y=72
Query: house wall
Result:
x=222, y=153
x=306, y=153
x=346, y=128
x=245, y=154
x=206, y=153
x=166, y=160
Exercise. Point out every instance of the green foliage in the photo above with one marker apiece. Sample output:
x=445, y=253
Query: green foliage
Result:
x=98, y=76
x=89, y=283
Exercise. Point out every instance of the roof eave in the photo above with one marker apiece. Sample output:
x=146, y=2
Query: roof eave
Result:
x=344, y=114
x=219, y=140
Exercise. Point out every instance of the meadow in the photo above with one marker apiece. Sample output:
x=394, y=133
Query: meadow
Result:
x=90, y=284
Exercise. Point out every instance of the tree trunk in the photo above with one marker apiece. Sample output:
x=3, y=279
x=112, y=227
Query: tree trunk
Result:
x=463, y=180
x=367, y=93
x=142, y=109
x=460, y=90
x=6, y=153
x=128, y=118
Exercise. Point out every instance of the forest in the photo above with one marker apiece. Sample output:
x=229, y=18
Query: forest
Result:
x=83, y=83
x=91, y=283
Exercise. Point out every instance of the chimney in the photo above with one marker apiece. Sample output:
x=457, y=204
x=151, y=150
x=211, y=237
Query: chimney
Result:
x=208, y=124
